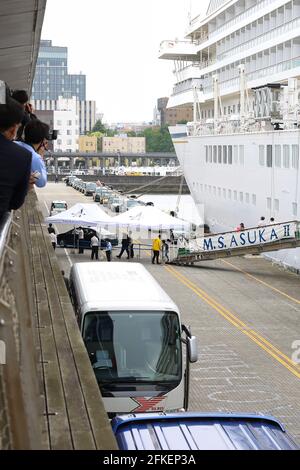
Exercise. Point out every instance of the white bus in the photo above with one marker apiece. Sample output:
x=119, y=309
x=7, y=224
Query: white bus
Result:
x=132, y=331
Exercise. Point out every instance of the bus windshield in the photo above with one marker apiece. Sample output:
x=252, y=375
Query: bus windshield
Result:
x=128, y=347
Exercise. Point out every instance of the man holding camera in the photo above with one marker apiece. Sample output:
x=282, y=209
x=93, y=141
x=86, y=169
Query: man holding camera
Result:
x=21, y=96
x=36, y=135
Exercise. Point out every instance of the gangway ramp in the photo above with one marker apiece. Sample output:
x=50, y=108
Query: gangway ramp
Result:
x=252, y=241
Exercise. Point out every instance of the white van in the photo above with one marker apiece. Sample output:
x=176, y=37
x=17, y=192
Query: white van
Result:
x=57, y=207
x=132, y=331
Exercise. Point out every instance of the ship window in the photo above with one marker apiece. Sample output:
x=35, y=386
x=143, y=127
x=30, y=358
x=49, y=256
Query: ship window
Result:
x=242, y=159
x=224, y=154
x=269, y=156
x=286, y=156
x=229, y=194
x=219, y=153
x=215, y=191
x=201, y=188
x=278, y=156
x=219, y=192
x=205, y=187
x=224, y=193
x=269, y=203
x=235, y=195
x=294, y=208
x=215, y=153
x=247, y=198
x=295, y=156
x=254, y=199
x=230, y=154
x=262, y=155
x=209, y=189
x=276, y=205
x=236, y=154
x=241, y=197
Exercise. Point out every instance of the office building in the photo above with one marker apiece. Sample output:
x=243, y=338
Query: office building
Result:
x=52, y=78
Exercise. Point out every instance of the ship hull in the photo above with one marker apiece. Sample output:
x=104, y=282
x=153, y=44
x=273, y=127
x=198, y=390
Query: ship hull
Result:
x=241, y=177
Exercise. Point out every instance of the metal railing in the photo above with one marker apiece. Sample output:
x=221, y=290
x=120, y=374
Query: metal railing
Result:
x=20, y=414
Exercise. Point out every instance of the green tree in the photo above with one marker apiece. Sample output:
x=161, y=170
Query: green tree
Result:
x=99, y=127
x=158, y=139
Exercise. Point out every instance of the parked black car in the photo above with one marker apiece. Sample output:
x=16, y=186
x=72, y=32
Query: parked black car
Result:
x=70, y=239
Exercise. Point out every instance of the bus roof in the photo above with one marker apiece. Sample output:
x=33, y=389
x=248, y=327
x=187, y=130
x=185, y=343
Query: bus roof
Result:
x=118, y=286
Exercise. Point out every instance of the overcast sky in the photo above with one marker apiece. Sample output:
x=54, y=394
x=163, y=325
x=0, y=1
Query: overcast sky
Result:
x=115, y=43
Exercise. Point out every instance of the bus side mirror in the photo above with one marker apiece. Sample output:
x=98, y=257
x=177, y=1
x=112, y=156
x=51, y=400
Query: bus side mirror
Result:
x=192, y=349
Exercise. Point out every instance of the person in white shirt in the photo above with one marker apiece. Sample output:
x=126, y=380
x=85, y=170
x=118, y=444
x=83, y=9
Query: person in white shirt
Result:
x=95, y=247
x=53, y=239
x=80, y=240
x=108, y=250
x=262, y=221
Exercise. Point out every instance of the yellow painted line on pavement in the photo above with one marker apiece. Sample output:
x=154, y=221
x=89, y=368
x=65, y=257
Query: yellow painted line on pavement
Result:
x=297, y=301
x=262, y=342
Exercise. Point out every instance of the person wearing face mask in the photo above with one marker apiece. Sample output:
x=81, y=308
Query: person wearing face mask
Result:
x=36, y=135
x=15, y=162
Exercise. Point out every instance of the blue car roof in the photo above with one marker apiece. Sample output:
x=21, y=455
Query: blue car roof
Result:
x=200, y=431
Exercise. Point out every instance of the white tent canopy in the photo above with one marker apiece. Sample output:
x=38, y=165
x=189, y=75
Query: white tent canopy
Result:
x=150, y=217
x=85, y=215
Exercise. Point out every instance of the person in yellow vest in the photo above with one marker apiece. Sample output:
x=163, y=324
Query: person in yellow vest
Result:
x=156, y=247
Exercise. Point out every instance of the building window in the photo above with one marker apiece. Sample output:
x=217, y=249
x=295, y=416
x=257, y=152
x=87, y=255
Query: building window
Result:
x=224, y=154
x=261, y=155
x=254, y=199
x=215, y=154
x=206, y=154
x=294, y=208
x=242, y=157
x=230, y=154
x=247, y=198
x=235, y=154
x=219, y=153
x=229, y=194
x=69, y=132
x=219, y=192
x=210, y=154
x=295, y=156
x=269, y=156
x=276, y=205
x=241, y=197
x=224, y=193
x=286, y=156
x=69, y=123
x=59, y=123
x=269, y=203
x=278, y=156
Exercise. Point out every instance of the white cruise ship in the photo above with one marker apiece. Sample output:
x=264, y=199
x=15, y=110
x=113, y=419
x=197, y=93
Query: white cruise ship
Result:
x=239, y=67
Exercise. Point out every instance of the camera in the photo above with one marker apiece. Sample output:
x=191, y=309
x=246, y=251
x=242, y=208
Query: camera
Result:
x=52, y=135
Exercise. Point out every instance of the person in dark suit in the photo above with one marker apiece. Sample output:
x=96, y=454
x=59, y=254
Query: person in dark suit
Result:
x=15, y=162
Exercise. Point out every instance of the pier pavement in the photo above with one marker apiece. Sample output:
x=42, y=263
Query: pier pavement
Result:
x=245, y=313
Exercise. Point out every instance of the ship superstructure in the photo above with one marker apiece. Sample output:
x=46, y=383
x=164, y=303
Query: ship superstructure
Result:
x=239, y=67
